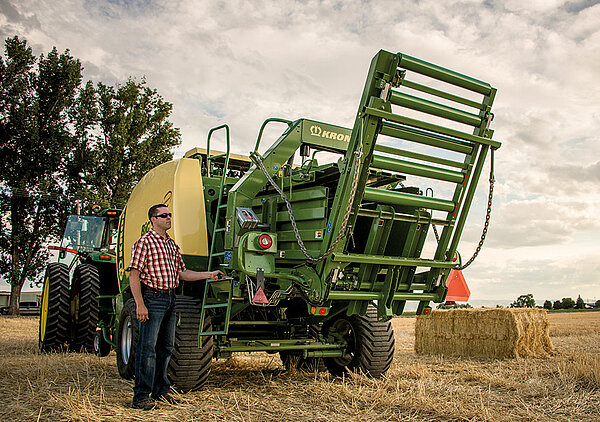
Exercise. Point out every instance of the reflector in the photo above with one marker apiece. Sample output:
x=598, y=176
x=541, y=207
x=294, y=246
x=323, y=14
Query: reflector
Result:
x=458, y=290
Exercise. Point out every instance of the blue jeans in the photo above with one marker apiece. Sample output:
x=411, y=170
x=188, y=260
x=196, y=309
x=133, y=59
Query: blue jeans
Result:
x=154, y=346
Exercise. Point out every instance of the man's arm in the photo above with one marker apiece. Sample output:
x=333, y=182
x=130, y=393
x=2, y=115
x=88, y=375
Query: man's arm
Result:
x=189, y=275
x=136, y=291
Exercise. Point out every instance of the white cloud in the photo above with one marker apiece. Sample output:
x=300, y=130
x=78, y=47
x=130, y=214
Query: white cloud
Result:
x=239, y=62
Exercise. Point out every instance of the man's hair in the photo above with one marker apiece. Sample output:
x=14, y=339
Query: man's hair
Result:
x=153, y=208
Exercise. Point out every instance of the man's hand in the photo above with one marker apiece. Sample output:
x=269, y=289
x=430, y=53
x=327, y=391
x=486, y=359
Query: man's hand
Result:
x=142, y=312
x=215, y=275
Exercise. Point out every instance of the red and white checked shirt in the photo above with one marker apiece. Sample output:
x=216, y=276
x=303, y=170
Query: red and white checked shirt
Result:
x=158, y=260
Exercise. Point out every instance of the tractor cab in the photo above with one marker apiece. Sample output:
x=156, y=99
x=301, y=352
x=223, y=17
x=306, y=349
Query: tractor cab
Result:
x=89, y=237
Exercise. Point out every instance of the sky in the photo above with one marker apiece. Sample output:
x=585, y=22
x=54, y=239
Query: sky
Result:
x=240, y=62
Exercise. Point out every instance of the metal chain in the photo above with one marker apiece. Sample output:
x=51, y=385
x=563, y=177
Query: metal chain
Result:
x=487, y=218
x=340, y=234
x=487, y=215
x=485, y=227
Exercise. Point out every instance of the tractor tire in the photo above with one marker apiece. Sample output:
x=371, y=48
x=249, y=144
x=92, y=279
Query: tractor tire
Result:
x=54, y=310
x=101, y=346
x=85, y=288
x=370, y=344
x=294, y=361
x=190, y=365
x=127, y=337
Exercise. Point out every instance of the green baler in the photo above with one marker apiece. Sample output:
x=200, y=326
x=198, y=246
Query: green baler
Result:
x=318, y=257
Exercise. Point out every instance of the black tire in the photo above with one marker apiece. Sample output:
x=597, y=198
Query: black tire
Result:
x=127, y=337
x=295, y=361
x=370, y=344
x=54, y=310
x=101, y=346
x=190, y=365
x=85, y=289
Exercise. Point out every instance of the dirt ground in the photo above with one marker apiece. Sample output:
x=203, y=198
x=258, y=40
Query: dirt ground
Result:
x=82, y=387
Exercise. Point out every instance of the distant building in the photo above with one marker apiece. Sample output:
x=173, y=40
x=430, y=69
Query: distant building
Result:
x=29, y=304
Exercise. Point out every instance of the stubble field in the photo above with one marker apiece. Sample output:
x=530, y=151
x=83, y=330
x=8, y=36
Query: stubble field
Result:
x=82, y=387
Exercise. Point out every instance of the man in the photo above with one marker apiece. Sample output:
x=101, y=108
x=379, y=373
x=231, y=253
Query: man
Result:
x=155, y=270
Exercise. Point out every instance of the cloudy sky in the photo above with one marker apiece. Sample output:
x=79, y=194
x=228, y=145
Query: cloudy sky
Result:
x=239, y=62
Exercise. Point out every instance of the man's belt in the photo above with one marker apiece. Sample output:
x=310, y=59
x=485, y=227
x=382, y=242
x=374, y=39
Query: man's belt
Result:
x=153, y=289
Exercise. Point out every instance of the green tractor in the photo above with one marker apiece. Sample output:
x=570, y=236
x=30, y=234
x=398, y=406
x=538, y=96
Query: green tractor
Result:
x=318, y=256
x=79, y=288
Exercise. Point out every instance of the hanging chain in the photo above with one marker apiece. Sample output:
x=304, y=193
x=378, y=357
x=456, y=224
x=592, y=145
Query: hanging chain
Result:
x=487, y=218
x=340, y=234
x=487, y=215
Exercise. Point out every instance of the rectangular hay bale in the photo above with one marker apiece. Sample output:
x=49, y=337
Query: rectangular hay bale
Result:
x=496, y=333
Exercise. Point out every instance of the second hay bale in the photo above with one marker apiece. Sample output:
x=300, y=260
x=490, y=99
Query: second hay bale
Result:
x=497, y=333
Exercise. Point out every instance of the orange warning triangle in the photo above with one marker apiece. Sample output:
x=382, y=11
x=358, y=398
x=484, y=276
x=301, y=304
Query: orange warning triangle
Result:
x=458, y=290
x=259, y=296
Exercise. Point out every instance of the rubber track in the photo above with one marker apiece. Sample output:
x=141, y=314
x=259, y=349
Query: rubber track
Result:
x=84, y=327
x=57, y=317
x=190, y=365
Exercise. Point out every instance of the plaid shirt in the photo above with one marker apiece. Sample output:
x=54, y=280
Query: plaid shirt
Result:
x=158, y=260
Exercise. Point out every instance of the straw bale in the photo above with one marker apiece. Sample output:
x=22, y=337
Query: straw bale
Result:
x=497, y=333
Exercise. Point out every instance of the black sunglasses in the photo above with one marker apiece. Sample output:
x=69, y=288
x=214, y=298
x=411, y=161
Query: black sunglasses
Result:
x=163, y=215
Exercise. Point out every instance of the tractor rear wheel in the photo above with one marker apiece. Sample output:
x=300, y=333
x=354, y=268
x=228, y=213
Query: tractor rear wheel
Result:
x=190, y=365
x=54, y=312
x=127, y=336
x=85, y=289
x=370, y=344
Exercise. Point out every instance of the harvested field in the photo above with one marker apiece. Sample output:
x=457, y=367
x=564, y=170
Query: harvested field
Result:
x=81, y=387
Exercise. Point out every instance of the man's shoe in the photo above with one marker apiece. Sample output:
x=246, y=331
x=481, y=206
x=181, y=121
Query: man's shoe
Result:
x=168, y=399
x=145, y=404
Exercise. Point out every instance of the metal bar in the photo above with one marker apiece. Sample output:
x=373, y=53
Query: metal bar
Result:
x=467, y=201
x=443, y=74
x=262, y=346
x=262, y=128
x=392, y=260
x=425, y=138
x=363, y=212
x=431, y=107
x=428, y=90
x=324, y=354
x=354, y=295
x=432, y=127
x=418, y=156
x=416, y=169
x=381, y=196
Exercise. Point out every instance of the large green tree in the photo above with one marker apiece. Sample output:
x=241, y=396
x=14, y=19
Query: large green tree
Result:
x=38, y=98
x=64, y=142
x=135, y=135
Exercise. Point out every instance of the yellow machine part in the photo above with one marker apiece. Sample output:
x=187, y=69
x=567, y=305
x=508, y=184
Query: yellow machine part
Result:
x=177, y=184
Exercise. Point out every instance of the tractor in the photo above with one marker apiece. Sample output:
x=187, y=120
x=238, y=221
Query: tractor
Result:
x=318, y=256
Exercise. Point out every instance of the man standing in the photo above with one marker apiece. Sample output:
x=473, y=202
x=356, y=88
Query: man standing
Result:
x=155, y=270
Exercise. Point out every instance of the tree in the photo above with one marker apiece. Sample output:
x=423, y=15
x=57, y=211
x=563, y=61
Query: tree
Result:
x=524, y=301
x=557, y=304
x=136, y=136
x=579, y=303
x=62, y=142
x=37, y=100
x=547, y=305
x=568, y=303
x=597, y=304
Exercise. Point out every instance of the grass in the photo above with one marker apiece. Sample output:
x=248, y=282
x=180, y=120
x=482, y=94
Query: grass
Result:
x=82, y=387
